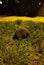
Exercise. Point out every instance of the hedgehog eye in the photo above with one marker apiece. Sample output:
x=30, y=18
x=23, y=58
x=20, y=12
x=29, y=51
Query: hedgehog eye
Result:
x=39, y=3
x=0, y=2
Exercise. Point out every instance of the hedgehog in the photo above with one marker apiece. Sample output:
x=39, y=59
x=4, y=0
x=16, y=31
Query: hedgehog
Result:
x=21, y=33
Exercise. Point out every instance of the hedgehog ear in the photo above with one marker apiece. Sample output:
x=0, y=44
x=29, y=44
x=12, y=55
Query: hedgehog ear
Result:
x=15, y=37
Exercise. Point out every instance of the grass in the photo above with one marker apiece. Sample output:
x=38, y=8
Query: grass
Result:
x=29, y=51
x=14, y=18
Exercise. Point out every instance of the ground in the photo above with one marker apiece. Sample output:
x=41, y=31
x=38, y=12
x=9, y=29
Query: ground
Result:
x=26, y=51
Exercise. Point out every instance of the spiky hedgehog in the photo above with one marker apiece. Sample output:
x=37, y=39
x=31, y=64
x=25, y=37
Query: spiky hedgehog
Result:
x=21, y=33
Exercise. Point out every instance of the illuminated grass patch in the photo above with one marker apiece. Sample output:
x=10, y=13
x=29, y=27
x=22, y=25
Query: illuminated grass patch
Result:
x=27, y=51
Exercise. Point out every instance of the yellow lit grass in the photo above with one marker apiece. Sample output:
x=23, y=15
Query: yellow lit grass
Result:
x=13, y=18
x=35, y=19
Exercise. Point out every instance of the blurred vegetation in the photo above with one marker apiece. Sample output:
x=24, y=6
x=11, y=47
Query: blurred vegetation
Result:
x=27, y=51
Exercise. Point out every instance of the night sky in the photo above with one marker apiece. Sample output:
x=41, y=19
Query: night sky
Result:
x=29, y=8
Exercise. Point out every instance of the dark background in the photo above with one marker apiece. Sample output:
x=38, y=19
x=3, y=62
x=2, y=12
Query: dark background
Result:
x=29, y=8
